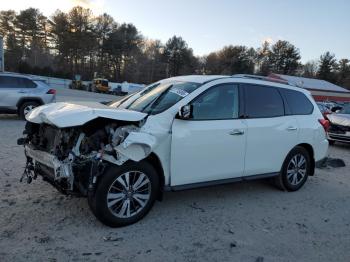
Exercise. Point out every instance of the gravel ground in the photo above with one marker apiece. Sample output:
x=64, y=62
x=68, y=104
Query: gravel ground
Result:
x=64, y=95
x=248, y=221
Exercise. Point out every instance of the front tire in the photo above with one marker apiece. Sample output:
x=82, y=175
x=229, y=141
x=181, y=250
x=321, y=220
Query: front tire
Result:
x=295, y=170
x=125, y=194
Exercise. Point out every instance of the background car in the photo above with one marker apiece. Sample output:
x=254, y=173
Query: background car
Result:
x=19, y=94
x=339, y=129
x=324, y=109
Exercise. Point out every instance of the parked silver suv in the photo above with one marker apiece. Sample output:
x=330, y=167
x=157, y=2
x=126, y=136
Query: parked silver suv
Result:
x=19, y=94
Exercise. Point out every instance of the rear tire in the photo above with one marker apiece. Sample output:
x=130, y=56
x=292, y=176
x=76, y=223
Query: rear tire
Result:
x=25, y=108
x=125, y=194
x=295, y=170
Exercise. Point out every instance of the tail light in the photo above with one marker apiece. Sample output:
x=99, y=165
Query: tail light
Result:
x=51, y=92
x=325, y=124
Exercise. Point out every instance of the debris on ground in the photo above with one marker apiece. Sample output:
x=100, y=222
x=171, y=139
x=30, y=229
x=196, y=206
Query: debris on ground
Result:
x=233, y=244
x=112, y=239
x=194, y=206
x=42, y=240
x=331, y=163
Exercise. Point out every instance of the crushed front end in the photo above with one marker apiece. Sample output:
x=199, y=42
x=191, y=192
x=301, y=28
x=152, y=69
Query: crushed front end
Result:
x=72, y=159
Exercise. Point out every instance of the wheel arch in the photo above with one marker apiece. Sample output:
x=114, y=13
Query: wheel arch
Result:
x=154, y=160
x=23, y=100
x=310, y=150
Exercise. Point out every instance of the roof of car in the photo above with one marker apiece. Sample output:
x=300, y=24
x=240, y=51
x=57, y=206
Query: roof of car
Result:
x=253, y=79
x=16, y=75
x=201, y=79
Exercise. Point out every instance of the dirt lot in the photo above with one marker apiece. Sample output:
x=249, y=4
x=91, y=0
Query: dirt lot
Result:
x=249, y=221
x=64, y=95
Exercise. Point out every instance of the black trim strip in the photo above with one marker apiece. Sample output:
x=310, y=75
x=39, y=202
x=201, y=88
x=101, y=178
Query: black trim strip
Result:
x=219, y=182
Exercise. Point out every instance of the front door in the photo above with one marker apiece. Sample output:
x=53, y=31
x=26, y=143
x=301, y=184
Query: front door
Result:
x=211, y=144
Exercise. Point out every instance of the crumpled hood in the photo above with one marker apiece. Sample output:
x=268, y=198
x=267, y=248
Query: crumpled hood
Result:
x=339, y=119
x=64, y=114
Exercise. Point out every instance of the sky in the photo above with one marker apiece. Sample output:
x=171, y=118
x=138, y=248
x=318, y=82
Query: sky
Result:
x=314, y=26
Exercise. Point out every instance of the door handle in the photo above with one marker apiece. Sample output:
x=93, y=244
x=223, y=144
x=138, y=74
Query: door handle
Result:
x=22, y=92
x=236, y=132
x=292, y=128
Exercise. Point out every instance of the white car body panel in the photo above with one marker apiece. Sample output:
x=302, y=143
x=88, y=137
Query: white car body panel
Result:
x=68, y=114
x=199, y=151
x=269, y=140
x=202, y=151
x=136, y=146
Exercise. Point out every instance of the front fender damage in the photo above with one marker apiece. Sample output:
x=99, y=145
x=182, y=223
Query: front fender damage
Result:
x=136, y=147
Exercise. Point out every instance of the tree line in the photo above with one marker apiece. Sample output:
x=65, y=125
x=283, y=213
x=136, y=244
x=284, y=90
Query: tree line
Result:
x=77, y=42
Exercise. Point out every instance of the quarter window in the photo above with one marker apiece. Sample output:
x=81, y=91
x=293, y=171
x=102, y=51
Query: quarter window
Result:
x=219, y=102
x=297, y=102
x=262, y=101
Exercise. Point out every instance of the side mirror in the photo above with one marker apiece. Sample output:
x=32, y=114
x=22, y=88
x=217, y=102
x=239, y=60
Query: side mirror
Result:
x=185, y=112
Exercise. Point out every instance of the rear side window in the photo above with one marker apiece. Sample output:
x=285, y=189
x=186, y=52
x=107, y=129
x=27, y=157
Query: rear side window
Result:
x=262, y=101
x=16, y=82
x=27, y=83
x=297, y=102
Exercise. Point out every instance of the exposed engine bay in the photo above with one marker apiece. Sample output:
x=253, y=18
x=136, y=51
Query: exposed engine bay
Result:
x=73, y=158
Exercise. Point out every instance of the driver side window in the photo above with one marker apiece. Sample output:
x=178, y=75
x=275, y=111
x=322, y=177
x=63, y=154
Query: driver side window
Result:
x=217, y=103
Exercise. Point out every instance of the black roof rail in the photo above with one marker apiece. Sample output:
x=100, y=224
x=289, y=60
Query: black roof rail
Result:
x=264, y=78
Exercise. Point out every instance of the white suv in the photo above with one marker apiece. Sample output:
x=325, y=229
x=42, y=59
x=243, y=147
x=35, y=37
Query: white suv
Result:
x=179, y=133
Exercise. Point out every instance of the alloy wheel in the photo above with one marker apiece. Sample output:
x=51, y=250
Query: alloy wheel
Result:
x=296, y=169
x=129, y=194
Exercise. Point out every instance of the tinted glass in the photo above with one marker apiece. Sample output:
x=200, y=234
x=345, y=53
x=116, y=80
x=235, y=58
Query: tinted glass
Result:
x=262, y=101
x=297, y=102
x=15, y=82
x=162, y=97
x=9, y=82
x=26, y=83
x=219, y=102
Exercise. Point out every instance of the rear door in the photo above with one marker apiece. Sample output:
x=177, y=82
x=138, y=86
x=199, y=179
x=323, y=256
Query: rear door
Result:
x=211, y=145
x=271, y=133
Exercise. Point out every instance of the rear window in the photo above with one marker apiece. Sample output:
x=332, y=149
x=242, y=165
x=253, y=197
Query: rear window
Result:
x=297, y=102
x=262, y=101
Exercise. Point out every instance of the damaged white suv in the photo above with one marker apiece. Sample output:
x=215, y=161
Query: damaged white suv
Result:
x=178, y=133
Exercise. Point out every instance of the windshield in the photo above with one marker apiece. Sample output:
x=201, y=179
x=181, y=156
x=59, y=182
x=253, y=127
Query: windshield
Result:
x=161, y=97
x=345, y=110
